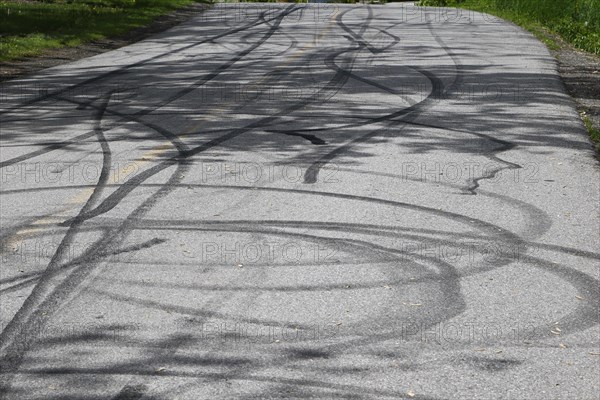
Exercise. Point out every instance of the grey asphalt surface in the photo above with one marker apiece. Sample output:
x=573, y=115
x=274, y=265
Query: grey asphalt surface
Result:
x=301, y=201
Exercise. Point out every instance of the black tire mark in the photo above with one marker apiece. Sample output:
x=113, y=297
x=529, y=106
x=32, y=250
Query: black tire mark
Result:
x=179, y=145
x=33, y=277
x=47, y=149
x=311, y=138
x=292, y=39
x=358, y=37
x=538, y=221
x=246, y=376
x=365, y=121
x=131, y=392
x=11, y=352
x=504, y=146
x=312, y=172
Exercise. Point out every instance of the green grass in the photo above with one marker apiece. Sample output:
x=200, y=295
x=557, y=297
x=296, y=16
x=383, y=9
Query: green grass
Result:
x=576, y=21
x=306, y=1
x=30, y=28
x=593, y=132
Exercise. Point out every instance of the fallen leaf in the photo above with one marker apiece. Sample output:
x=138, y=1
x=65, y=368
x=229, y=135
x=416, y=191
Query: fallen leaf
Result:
x=579, y=298
x=562, y=346
x=161, y=369
x=410, y=393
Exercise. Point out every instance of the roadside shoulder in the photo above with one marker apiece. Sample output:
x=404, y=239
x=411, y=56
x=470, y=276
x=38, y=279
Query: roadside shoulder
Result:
x=580, y=73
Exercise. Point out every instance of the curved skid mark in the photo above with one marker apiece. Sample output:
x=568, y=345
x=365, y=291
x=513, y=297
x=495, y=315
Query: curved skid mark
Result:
x=311, y=138
x=395, y=118
x=11, y=351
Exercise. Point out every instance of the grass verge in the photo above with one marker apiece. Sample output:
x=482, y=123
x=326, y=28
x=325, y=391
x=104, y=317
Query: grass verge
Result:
x=593, y=132
x=30, y=27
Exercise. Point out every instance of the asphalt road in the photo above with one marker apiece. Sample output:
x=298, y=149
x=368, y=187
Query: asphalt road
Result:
x=301, y=201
